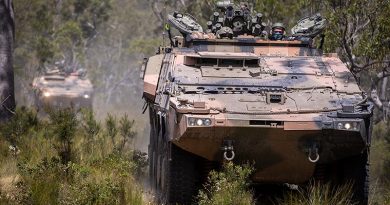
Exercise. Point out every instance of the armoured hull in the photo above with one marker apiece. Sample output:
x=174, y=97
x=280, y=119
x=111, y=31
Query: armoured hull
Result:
x=272, y=149
x=229, y=94
x=63, y=91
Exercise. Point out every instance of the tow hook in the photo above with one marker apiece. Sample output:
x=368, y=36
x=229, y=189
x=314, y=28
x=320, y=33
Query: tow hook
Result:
x=228, y=150
x=313, y=155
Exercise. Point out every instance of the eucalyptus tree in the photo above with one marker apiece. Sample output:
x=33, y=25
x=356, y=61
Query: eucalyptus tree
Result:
x=359, y=30
x=7, y=28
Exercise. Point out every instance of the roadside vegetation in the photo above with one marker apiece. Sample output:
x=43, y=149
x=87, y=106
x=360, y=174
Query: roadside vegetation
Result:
x=70, y=158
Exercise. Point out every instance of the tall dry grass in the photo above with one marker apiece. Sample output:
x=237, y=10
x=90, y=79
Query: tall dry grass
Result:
x=70, y=158
x=319, y=194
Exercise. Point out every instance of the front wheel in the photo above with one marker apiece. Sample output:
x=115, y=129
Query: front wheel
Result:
x=356, y=171
x=352, y=172
x=180, y=172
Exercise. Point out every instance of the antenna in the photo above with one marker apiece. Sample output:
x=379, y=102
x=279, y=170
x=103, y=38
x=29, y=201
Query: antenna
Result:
x=164, y=21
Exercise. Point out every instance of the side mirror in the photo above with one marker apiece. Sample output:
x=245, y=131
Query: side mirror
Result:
x=143, y=68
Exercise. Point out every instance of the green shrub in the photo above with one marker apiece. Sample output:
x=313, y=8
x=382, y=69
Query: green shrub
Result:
x=91, y=127
x=64, y=124
x=111, y=127
x=42, y=181
x=228, y=187
x=105, y=181
x=23, y=120
x=126, y=130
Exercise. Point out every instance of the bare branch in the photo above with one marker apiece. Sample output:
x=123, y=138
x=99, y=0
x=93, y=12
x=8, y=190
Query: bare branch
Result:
x=372, y=95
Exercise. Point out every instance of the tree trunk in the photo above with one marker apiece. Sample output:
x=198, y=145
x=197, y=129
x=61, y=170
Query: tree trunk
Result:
x=7, y=96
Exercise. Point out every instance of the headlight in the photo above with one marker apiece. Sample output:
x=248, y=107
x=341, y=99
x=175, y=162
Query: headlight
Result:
x=199, y=122
x=207, y=122
x=86, y=96
x=349, y=126
x=46, y=94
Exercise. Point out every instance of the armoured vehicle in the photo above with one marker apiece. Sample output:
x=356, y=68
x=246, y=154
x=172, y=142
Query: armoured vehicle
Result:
x=231, y=94
x=56, y=89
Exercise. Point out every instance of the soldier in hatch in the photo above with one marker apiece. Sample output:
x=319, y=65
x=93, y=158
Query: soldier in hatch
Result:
x=278, y=32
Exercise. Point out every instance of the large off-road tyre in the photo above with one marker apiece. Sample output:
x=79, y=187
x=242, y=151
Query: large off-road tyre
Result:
x=152, y=152
x=352, y=171
x=356, y=171
x=152, y=163
x=181, y=179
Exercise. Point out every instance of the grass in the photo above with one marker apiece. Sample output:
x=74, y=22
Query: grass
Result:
x=69, y=159
x=319, y=194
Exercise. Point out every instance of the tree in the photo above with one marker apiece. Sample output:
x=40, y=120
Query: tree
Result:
x=51, y=31
x=7, y=28
x=360, y=31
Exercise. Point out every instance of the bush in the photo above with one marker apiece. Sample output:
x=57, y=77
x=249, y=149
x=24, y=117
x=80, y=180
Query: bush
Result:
x=63, y=124
x=23, y=120
x=228, y=187
x=42, y=181
x=111, y=127
x=106, y=181
x=126, y=129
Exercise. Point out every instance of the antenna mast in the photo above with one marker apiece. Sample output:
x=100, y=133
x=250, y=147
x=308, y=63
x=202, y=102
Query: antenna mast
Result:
x=164, y=21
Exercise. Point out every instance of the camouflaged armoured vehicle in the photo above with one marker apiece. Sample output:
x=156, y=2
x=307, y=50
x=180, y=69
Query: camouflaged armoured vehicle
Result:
x=231, y=94
x=57, y=89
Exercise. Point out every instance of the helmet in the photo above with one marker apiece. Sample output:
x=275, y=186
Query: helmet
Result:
x=277, y=31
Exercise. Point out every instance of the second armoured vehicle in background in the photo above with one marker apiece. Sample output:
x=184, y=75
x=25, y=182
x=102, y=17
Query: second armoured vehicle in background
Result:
x=56, y=89
x=239, y=93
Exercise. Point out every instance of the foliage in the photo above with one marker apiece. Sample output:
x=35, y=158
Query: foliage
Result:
x=23, y=120
x=43, y=180
x=380, y=163
x=64, y=125
x=58, y=29
x=111, y=186
x=111, y=127
x=126, y=131
x=91, y=126
x=99, y=175
x=228, y=187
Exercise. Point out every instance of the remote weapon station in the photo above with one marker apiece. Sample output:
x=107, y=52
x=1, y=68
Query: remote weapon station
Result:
x=235, y=92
